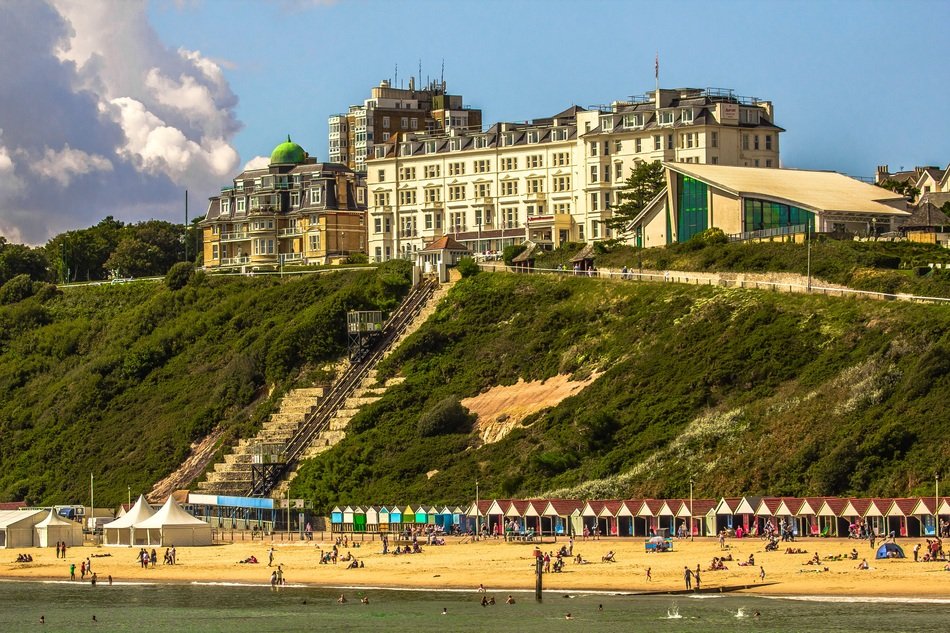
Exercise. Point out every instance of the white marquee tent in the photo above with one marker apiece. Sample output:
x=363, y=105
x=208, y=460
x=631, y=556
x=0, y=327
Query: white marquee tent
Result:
x=16, y=527
x=54, y=529
x=171, y=525
x=122, y=530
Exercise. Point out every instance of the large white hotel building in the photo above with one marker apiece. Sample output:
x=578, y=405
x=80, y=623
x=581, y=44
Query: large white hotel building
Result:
x=550, y=180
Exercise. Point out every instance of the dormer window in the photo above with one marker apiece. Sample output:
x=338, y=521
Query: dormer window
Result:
x=508, y=138
x=406, y=149
x=749, y=116
x=480, y=142
x=559, y=134
x=666, y=117
x=632, y=120
x=606, y=123
x=686, y=114
x=430, y=147
x=455, y=144
x=533, y=136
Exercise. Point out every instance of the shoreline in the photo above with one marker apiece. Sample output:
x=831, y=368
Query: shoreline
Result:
x=507, y=568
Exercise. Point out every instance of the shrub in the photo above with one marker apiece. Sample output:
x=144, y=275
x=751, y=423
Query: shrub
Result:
x=179, y=275
x=357, y=258
x=16, y=290
x=447, y=416
x=467, y=267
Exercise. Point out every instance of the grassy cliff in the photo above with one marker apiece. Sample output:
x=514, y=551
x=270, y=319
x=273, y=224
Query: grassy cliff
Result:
x=748, y=391
x=118, y=381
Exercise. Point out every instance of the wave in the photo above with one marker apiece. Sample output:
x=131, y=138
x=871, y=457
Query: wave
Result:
x=861, y=599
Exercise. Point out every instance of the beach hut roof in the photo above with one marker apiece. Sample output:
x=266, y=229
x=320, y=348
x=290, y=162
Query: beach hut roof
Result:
x=728, y=506
x=138, y=513
x=832, y=506
x=810, y=505
x=496, y=506
x=855, y=508
x=653, y=508
x=517, y=508
x=12, y=505
x=702, y=507
x=611, y=508
x=923, y=506
x=592, y=508
x=878, y=507
x=944, y=507
x=902, y=507
x=768, y=506
x=629, y=507
x=561, y=507
x=535, y=508
x=748, y=505
x=679, y=507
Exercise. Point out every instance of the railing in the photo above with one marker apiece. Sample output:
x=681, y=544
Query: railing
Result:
x=766, y=233
x=290, y=257
x=235, y=261
x=290, y=231
x=233, y=237
x=319, y=419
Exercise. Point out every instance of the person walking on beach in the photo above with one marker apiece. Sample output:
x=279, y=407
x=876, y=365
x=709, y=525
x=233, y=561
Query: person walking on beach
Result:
x=688, y=578
x=649, y=575
x=696, y=576
x=270, y=557
x=72, y=571
x=762, y=574
x=916, y=551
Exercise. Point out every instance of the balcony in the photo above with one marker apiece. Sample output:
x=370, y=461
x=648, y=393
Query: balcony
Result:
x=235, y=261
x=235, y=237
x=262, y=229
x=292, y=231
x=382, y=210
x=291, y=257
x=537, y=196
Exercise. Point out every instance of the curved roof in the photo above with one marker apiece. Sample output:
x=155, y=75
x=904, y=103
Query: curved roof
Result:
x=288, y=153
x=817, y=191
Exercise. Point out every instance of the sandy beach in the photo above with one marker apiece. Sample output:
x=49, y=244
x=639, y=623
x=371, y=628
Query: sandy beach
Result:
x=501, y=566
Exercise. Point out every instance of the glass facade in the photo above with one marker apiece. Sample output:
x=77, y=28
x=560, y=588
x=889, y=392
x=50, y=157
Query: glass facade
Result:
x=760, y=215
x=693, y=207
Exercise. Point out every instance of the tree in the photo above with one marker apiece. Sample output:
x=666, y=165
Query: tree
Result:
x=133, y=257
x=645, y=182
x=906, y=188
x=17, y=259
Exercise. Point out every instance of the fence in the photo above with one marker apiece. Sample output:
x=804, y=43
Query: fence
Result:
x=707, y=279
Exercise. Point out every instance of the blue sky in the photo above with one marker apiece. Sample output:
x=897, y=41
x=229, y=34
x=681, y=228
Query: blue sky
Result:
x=117, y=106
x=854, y=83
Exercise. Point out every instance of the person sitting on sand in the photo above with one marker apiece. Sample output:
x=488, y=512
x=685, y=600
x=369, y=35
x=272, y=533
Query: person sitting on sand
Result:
x=863, y=564
x=854, y=554
x=481, y=588
x=353, y=565
x=608, y=557
x=491, y=600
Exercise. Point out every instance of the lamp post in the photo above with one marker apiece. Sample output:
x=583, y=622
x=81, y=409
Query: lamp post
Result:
x=808, y=239
x=92, y=503
x=477, y=511
x=937, y=505
x=130, y=496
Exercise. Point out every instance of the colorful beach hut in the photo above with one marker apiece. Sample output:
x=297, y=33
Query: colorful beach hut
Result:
x=372, y=519
x=589, y=514
x=556, y=517
x=807, y=516
x=495, y=516
x=336, y=519
x=607, y=517
x=924, y=513
x=395, y=519
x=383, y=525
x=830, y=517
x=359, y=519
x=726, y=514
x=626, y=519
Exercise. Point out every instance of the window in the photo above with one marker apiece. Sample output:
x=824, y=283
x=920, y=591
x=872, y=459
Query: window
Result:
x=508, y=138
x=433, y=194
x=214, y=251
x=632, y=120
x=755, y=141
x=314, y=241
x=607, y=123
x=693, y=207
x=559, y=134
x=482, y=166
x=686, y=115
x=386, y=122
x=561, y=207
x=407, y=173
x=618, y=146
x=457, y=192
x=713, y=160
x=768, y=162
x=509, y=187
x=381, y=199
x=225, y=206
x=294, y=199
x=360, y=195
x=749, y=115
x=509, y=216
x=669, y=141
x=480, y=142
x=762, y=214
x=457, y=221
x=606, y=199
x=594, y=147
x=430, y=146
x=637, y=146
x=381, y=175
x=756, y=162
x=316, y=195
x=533, y=136
x=562, y=183
x=580, y=232
x=594, y=229
x=404, y=122
x=535, y=185
x=509, y=164
x=745, y=141
x=594, y=201
x=666, y=117
x=535, y=161
x=377, y=225
x=593, y=173
x=414, y=123
x=379, y=254
x=427, y=221
x=714, y=139
x=560, y=159
x=456, y=169
x=657, y=142
x=432, y=171
x=407, y=196
x=455, y=144
x=768, y=141
x=482, y=189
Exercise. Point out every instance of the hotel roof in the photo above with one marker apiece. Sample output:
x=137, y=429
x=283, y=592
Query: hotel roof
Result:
x=817, y=191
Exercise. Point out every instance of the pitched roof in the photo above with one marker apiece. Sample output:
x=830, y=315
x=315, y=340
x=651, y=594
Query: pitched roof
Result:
x=817, y=191
x=927, y=214
x=444, y=243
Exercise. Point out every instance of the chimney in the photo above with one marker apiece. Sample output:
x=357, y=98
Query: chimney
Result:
x=412, y=83
x=882, y=173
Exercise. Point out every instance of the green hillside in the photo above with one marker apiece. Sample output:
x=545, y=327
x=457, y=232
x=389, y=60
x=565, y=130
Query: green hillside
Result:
x=120, y=380
x=748, y=391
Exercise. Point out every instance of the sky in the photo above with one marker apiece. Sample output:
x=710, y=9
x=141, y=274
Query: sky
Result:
x=117, y=107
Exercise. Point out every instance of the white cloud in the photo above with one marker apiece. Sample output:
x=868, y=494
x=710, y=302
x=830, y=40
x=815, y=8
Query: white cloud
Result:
x=112, y=101
x=63, y=165
x=258, y=162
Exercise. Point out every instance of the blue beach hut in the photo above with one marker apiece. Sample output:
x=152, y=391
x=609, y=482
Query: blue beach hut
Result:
x=336, y=519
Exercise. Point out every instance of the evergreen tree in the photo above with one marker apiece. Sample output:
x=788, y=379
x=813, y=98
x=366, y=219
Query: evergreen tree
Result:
x=645, y=181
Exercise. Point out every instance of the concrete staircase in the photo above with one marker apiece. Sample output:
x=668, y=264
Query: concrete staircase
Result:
x=233, y=475
x=369, y=391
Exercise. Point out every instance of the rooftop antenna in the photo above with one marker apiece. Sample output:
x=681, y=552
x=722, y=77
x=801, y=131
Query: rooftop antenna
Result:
x=443, y=74
x=396, y=77
x=420, y=71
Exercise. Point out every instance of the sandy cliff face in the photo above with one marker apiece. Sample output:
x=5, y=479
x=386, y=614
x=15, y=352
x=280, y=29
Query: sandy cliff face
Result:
x=502, y=409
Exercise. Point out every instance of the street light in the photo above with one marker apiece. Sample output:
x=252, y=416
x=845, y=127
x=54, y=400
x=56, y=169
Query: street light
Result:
x=691, y=508
x=477, y=511
x=808, y=239
x=130, y=496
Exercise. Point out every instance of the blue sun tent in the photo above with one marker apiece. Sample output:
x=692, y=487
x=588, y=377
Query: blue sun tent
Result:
x=890, y=550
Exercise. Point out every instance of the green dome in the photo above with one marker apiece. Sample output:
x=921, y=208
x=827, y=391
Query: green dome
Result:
x=288, y=153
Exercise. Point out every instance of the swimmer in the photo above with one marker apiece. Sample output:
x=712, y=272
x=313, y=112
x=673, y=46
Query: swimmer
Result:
x=364, y=600
x=510, y=600
x=341, y=599
x=42, y=619
x=445, y=611
x=568, y=616
x=94, y=619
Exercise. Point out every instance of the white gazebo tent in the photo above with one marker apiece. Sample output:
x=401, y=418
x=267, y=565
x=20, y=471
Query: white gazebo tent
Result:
x=122, y=530
x=55, y=529
x=16, y=527
x=171, y=525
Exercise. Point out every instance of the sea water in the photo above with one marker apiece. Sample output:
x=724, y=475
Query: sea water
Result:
x=143, y=608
